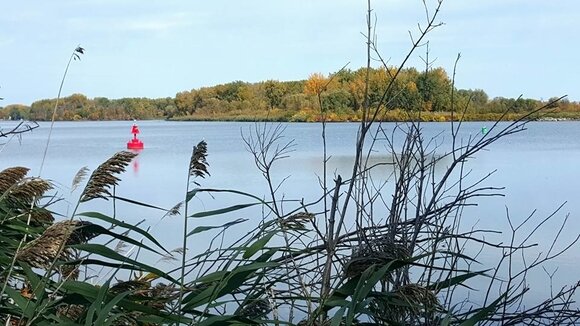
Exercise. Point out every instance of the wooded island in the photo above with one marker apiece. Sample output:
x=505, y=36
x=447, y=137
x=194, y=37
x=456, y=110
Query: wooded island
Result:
x=428, y=96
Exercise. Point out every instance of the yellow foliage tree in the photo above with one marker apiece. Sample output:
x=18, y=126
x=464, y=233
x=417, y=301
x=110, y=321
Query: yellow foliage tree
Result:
x=316, y=84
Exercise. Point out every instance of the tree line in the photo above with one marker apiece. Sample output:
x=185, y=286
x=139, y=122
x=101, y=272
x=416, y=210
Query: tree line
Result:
x=339, y=94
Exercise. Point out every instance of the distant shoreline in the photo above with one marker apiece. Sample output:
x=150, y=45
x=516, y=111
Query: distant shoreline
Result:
x=546, y=119
x=389, y=116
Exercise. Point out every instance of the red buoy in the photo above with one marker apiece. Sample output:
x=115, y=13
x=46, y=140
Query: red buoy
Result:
x=135, y=143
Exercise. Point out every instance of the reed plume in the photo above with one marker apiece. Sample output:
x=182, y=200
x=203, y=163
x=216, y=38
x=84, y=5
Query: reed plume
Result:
x=103, y=178
x=134, y=286
x=30, y=189
x=79, y=177
x=20, y=193
x=50, y=246
x=157, y=296
x=173, y=211
x=376, y=253
x=256, y=308
x=11, y=176
x=40, y=216
x=409, y=302
x=297, y=221
x=198, y=163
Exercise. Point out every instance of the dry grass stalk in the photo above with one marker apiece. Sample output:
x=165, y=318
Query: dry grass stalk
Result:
x=256, y=309
x=40, y=216
x=409, y=302
x=28, y=190
x=417, y=295
x=135, y=286
x=161, y=295
x=198, y=163
x=103, y=178
x=79, y=177
x=158, y=296
x=121, y=247
x=297, y=221
x=50, y=246
x=20, y=193
x=174, y=211
x=70, y=272
x=11, y=176
x=379, y=254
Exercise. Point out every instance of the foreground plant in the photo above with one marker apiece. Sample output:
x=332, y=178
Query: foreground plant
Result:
x=46, y=265
x=384, y=245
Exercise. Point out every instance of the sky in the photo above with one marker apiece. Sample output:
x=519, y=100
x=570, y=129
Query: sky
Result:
x=156, y=48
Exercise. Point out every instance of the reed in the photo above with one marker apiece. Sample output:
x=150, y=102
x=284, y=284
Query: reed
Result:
x=349, y=257
x=46, y=249
x=104, y=177
x=11, y=176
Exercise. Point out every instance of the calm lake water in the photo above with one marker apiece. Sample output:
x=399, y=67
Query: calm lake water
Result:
x=539, y=169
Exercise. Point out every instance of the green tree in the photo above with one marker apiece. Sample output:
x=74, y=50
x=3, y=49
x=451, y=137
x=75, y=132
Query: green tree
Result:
x=229, y=92
x=17, y=112
x=337, y=100
x=186, y=102
x=435, y=87
x=274, y=92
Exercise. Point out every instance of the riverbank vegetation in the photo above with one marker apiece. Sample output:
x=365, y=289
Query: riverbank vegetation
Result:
x=388, y=243
x=420, y=95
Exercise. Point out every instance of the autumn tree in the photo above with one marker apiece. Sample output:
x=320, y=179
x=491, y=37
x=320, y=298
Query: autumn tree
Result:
x=229, y=92
x=315, y=84
x=16, y=112
x=356, y=88
x=185, y=102
x=435, y=88
x=274, y=92
x=337, y=100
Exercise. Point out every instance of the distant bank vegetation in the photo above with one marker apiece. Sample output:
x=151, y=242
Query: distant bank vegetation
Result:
x=415, y=95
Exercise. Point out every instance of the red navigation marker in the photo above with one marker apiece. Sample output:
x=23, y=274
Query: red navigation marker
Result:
x=135, y=143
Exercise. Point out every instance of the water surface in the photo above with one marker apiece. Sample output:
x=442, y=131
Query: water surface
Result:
x=538, y=168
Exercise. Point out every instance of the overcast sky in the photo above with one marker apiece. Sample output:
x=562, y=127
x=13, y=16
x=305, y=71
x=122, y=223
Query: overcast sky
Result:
x=155, y=48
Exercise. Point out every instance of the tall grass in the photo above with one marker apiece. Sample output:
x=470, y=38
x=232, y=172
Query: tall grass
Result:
x=352, y=256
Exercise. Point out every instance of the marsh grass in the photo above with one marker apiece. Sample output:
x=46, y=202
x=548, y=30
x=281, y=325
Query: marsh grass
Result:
x=352, y=256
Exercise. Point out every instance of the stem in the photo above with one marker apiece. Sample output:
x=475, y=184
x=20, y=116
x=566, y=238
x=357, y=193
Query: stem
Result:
x=72, y=56
x=184, y=249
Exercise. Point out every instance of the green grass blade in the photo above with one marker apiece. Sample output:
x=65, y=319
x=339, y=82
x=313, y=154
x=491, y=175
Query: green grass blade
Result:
x=105, y=312
x=111, y=254
x=194, y=192
x=122, y=224
x=95, y=308
x=95, y=228
x=459, y=279
x=223, y=210
x=258, y=244
x=138, y=203
x=337, y=318
x=90, y=292
x=97, y=262
x=483, y=313
x=200, y=229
